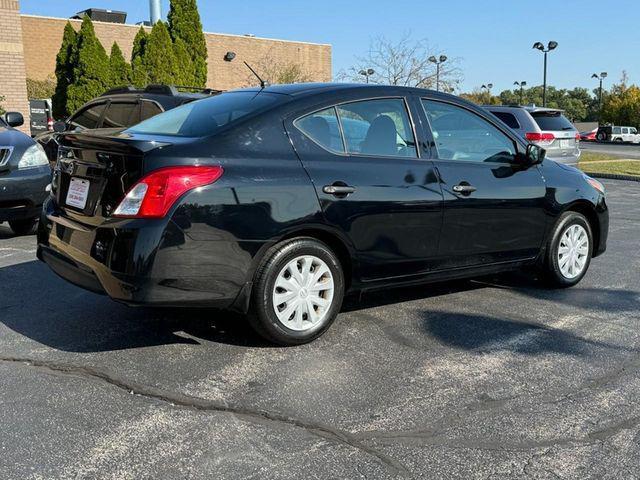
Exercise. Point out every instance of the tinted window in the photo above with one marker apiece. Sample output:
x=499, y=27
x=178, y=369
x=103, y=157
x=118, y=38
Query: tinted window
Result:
x=462, y=135
x=88, y=118
x=552, y=121
x=121, y=115
x=508, y=118
x=150, y=109
x=378, y=127
x=616, y=130
x=625, y=130
x=205, y=117
x=322, y=127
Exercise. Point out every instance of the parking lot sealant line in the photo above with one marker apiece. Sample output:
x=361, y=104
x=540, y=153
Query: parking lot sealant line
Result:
x=201, y=404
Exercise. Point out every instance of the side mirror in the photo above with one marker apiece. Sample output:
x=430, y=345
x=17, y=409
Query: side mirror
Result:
x=535, y=154
x=13, y=119
x=59, y=126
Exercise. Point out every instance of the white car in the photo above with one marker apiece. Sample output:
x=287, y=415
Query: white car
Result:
x=618, y=134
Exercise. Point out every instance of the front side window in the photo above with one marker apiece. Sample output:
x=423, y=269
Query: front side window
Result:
x=121, y=115
x=87, y=118
x=625, y=131
x=323, y=128
x=378, y=127
x=207, y=116
x=462, y=135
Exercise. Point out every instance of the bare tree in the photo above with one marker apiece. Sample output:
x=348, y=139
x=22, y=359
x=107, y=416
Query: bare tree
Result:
x=277, y=72
x=406, y=63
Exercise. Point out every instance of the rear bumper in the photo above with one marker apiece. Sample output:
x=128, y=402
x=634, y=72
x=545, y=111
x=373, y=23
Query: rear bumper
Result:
x=142, y=262
x=569, y=159
x=22, y=193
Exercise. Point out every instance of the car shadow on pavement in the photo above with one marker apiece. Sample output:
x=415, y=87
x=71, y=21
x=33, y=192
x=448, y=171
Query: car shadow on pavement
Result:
x=40, y=306
x=484, y=334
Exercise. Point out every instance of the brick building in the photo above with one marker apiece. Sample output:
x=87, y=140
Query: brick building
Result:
x=30, y=44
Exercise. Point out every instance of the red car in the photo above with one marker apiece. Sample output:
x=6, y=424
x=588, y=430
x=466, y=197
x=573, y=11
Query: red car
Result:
x=588, y=136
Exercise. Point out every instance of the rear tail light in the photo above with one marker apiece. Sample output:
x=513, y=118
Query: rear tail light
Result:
x=50, y=124
x=154, y=195
x=540, y=137
x=578, y=137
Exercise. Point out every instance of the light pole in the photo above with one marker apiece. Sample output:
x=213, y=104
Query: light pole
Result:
x=367, y=73
x=539, y=46
x=521, y=85
x=438, y=61
x=600, y=77
x=488, y=88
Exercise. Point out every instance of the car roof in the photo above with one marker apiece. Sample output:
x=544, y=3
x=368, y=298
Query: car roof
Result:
x=302, y=89
x=528, y=108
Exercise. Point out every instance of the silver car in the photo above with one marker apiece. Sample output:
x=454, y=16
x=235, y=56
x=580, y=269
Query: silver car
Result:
x=546, y=127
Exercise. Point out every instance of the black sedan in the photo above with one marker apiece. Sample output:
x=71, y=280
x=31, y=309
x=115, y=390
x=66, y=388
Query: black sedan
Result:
x=24, y=176
x=275, y=202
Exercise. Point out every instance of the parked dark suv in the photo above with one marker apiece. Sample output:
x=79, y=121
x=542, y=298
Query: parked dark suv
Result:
x=277, y=201
x=120, y=108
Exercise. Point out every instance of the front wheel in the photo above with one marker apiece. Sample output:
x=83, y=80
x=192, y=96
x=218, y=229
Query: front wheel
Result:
x=569, y=251
x=297, y=292
x=27, y=226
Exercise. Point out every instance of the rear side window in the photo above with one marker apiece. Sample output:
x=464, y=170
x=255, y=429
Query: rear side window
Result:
x=121, y=115
x=205, y=117
x=508, y=118
x=552, y=121
x=378, y=127
x=150, y=109
x=88, y=118
x=323, y=128
x=616, y=130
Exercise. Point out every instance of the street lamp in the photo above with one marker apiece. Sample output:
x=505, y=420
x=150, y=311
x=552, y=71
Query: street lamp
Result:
x=367, y=73
x=438, y=61
x=521, y=85
x=539, y=46
x=600, y=77
x=488, y=88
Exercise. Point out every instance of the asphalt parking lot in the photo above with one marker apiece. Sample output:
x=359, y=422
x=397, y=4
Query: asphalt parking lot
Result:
x=624, y=150
x=491, y=378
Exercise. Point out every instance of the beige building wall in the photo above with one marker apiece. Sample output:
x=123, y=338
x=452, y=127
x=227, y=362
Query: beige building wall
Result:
x=13, y=86
x=42, y=37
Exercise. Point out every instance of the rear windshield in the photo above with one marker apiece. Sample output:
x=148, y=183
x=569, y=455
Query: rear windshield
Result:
x=552, y=121
x=205, y=117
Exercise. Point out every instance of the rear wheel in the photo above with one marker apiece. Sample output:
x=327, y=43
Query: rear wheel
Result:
x=27, y=226
x=297, y=293
x=619, y=140
x=601, y=137
x=568, y=251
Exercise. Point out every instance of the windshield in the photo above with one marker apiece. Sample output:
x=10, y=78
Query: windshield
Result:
x=205, y=117
x=552, y=121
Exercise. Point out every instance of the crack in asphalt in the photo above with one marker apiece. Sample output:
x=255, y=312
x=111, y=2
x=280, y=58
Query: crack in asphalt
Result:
x=325, y=432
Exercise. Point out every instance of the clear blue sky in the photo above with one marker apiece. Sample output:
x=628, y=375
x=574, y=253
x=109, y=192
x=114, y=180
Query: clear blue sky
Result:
x=492, y=38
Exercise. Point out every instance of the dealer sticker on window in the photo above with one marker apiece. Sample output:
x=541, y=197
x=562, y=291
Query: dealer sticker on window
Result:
x=78, y=192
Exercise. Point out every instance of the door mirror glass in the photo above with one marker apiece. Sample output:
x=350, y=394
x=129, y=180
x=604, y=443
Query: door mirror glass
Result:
x=59, y=126
x=13, y=119
x=535, y=154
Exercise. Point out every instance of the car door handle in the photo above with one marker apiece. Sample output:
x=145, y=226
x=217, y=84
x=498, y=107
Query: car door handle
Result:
x=338, y=190
x=465, y=189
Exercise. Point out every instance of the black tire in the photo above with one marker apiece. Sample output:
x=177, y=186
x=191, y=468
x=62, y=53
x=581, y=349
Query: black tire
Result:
x=27, y=226
x=551, y=268
x=601, y=137
x=619, y=140
x=262, y=315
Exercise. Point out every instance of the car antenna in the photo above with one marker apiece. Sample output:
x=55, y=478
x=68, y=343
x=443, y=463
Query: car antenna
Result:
x=263, y=84
x=230, y=56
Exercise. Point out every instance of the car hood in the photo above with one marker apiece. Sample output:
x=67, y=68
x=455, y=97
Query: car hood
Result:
x=10, y=137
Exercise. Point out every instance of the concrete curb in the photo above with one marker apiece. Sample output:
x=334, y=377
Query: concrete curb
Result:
x=614, y=176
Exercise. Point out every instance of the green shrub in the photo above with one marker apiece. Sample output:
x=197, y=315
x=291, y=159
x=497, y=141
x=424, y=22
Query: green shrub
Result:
x=65, y=66
x=184, y=24
x=159, y=58
x=139, y=75
x=41, y=88
x=120, y=69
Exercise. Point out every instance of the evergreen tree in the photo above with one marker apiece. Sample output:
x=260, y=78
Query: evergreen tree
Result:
x=139, y=75
x=65, y=65
x=120, y=69
x=91, y=75
x=185, y=73
x=184, y=23
x=159, y=57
